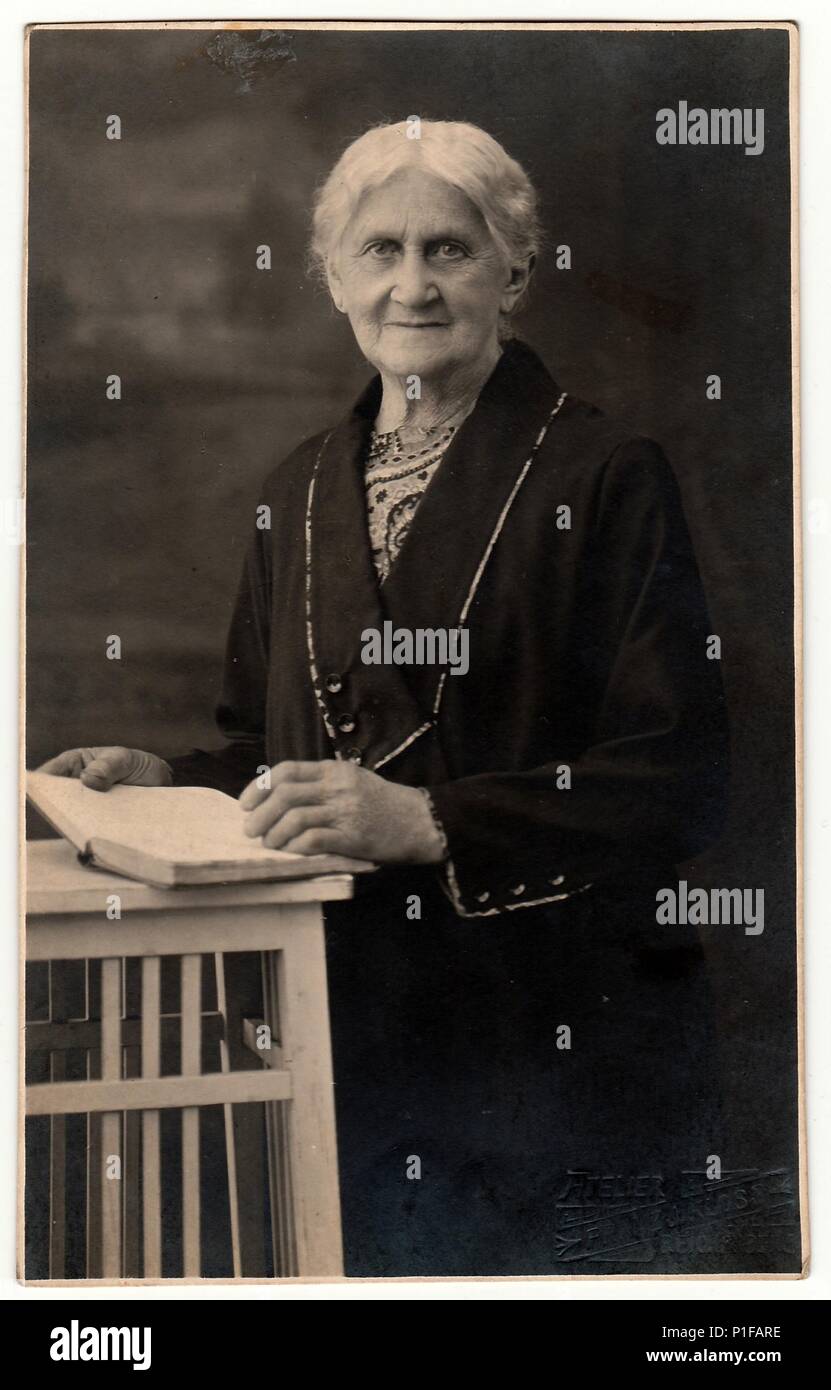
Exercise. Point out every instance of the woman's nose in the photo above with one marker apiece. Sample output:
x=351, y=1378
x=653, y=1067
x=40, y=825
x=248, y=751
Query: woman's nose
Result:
x=414, y=284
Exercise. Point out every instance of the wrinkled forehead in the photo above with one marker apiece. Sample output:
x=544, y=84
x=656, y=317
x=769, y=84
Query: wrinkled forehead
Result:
x=417, y=205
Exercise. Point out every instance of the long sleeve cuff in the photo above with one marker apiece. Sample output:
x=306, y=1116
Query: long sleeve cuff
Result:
x=478, y=882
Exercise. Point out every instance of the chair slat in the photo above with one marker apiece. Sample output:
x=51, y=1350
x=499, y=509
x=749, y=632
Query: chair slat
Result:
x=57, y=1134
x=228, y=1113
x=131, y=1171
x=151, y=997
x=278, y=1138
x=191, y=1066
x=93, y=1163
x=111, y=1144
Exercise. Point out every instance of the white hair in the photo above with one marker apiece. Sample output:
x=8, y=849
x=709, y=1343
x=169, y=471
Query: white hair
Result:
x=462, y=155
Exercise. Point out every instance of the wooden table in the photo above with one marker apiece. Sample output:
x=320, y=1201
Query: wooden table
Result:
x=73, y=915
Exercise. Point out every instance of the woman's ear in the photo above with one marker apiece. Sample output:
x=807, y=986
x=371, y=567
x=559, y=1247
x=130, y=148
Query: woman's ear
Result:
x=335, y=285
x=517, y=284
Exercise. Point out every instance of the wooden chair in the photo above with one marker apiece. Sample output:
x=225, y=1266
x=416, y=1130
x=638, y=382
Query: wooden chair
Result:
x=271, y=1075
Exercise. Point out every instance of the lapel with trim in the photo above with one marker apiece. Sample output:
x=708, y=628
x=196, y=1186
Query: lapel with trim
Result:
x=373, y=712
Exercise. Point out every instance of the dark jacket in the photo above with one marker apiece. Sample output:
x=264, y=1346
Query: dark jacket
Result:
x=587, y=636
x=581, y=756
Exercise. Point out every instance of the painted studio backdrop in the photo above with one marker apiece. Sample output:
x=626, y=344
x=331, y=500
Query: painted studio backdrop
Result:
x=143, y=263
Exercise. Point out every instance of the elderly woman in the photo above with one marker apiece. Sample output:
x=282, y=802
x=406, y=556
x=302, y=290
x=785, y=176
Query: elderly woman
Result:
x=511, y=1028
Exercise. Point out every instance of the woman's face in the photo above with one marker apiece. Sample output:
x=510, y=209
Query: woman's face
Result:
x=420, y=278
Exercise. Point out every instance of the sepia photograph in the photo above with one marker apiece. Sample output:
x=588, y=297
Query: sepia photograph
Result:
x=413, y=665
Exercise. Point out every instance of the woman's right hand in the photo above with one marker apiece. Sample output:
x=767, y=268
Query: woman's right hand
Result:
x=101, y=768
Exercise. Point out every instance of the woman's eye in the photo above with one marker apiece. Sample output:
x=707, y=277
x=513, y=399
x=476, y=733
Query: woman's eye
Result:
x=449, y=250
x=380, y=249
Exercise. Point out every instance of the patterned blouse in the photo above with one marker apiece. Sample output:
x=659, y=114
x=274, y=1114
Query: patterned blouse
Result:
x=397, y=475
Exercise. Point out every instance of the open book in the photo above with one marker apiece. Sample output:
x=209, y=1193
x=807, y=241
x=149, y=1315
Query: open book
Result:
x=169, y=836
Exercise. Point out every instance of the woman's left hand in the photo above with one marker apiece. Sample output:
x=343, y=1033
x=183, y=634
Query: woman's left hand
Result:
x=334, y=807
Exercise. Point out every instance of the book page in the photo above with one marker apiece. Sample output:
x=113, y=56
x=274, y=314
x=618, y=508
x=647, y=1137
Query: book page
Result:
x=181, y=825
